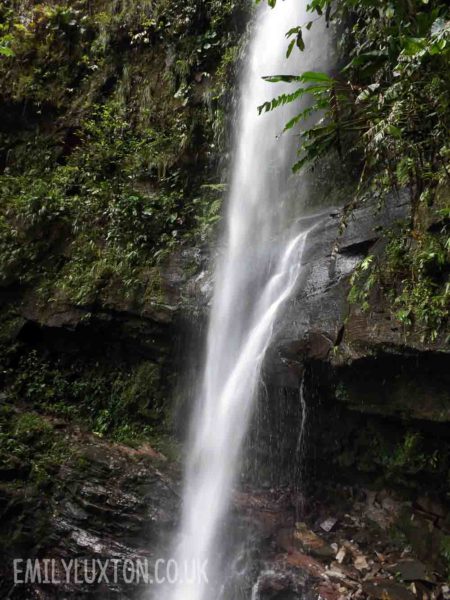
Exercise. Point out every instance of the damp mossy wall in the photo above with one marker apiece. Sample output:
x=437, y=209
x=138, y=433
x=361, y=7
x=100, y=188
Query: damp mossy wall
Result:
x=113, y=139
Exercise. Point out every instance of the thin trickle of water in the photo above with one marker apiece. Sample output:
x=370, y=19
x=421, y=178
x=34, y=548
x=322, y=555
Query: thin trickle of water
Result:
x=256, y=273
x=301, y=434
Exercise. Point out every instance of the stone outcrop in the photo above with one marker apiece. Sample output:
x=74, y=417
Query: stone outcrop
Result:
x=319, y=323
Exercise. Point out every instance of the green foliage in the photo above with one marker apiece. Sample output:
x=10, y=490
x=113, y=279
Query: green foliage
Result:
x=5, y=37
x=408, y=457
x=123, y=403
x=390, y=102
x=362, y=282
x=397, y=456
x=109, y=146
x=29, y=443
x=419, y=269
x=445, y=551
x=112, y=123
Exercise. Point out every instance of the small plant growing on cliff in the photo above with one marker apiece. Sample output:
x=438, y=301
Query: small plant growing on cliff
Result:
x=362, y=281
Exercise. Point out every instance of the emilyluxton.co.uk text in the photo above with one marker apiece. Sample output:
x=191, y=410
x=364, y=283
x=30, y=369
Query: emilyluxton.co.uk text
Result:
x=94, y=571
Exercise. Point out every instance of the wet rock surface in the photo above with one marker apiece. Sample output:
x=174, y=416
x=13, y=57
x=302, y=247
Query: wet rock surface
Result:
x=107, y=504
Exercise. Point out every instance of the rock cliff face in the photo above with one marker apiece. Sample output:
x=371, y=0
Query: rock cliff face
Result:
x=65, y=492
x=376, y=398
x=111, y=130
x=319, y=322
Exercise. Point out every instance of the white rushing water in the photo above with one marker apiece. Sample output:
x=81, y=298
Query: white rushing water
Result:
x=257, y=271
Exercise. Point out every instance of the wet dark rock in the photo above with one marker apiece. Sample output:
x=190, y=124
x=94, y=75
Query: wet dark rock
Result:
x=431, y=505
x=411, y=570
x=374, y=565
x=383, y=589
x=279, y=586
x=305, y=562
x=425, y=538
x=376, y=393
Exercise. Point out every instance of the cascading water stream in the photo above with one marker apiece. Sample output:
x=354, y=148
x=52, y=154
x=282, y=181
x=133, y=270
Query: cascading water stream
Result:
x=256, y=273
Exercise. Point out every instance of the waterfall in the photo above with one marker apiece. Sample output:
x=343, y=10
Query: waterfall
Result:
x=256, y=273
